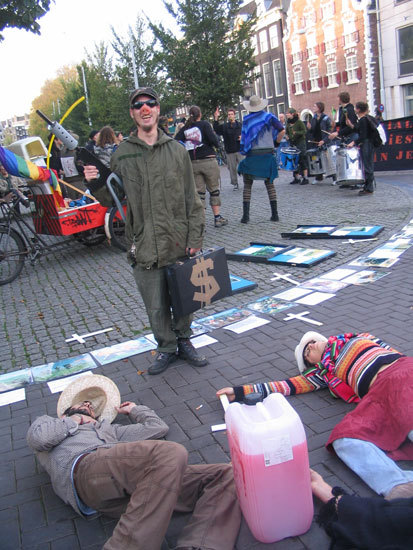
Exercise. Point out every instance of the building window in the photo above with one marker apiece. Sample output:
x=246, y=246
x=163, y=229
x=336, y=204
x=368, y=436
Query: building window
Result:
x=328, y=10
x=310, y=17
x=267, y=79
x=278, y=81
x=298, y=80
x=408, y=99
x=350, y=39
x=280, y=108
x=330, y=42
x=254, y=45
x=258, y=83
x=332, y=74
x=270, y=109
x=263, y=41
x=314, y=76
x=405, y=50
x=274, y=42
x=351, y=68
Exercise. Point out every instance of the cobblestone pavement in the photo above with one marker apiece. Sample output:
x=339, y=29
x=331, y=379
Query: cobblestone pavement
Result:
x=86, y=289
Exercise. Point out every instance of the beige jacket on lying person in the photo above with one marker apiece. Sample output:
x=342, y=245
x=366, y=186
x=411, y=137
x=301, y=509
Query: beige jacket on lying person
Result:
x=57, y=442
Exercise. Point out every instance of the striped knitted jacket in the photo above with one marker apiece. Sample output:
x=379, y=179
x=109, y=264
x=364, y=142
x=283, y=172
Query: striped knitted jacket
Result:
x=349, y=363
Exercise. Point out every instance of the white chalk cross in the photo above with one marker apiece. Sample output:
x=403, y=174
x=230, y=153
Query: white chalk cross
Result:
x=300, y=317
x=355, y=241
x=279, y=276
x=81, y=338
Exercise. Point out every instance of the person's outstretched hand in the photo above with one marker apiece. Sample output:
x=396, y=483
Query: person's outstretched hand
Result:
x=229, y=392
x=320, y=488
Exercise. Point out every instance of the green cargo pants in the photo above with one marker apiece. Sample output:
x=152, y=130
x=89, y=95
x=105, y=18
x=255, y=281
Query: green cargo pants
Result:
x=153, y=287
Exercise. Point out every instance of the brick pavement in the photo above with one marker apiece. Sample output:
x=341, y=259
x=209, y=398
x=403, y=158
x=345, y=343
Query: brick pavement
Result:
x=88, y=289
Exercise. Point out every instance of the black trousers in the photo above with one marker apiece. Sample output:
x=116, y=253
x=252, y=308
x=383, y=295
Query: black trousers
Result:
x=367, y=157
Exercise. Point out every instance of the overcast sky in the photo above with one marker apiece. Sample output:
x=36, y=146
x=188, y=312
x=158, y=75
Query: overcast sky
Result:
x=28, y=60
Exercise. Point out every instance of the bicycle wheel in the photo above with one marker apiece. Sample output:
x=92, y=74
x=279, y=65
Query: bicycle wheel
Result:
x=13, y=252
x=115, y=225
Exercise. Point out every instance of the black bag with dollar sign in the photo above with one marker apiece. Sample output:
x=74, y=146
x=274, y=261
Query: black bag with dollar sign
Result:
x=198, y=281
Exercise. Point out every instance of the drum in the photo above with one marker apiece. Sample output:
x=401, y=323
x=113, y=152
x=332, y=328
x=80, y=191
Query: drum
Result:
x=315, y=167
x=289, y=157
x=349, y=168
x=328, y=160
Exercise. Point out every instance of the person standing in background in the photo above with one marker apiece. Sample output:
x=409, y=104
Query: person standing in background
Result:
x=231, y=132
x=199, y=140
x=261, y=133
x=296, y=134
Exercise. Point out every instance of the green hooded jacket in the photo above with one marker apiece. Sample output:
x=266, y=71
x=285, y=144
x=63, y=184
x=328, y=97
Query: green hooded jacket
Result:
x=164, y=211
x=296, y=132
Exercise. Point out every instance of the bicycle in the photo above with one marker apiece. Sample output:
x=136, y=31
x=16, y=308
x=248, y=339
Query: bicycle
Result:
x=90, y=224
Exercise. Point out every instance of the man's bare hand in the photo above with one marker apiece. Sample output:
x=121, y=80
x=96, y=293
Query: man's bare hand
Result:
x=192, y=251
x=91, y=172
x=126, y=407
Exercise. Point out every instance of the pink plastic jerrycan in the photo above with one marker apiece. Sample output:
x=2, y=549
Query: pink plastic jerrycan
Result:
x=271, y=470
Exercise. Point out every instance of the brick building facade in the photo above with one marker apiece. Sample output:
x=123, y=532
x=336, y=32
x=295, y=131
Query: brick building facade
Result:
x=330, y=48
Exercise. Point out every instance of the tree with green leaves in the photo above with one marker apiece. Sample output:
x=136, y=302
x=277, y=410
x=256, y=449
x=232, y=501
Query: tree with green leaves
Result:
x=209, y=63
x=22, y=14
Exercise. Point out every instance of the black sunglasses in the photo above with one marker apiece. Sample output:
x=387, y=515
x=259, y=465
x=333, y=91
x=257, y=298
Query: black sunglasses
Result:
x=139, y=104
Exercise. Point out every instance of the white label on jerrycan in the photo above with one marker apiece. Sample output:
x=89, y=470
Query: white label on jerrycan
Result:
x=277, y=450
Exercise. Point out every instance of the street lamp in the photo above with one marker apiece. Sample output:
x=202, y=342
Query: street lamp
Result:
x=248, y=90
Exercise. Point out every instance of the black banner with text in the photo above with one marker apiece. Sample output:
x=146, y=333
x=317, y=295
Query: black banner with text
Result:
x=397, y=154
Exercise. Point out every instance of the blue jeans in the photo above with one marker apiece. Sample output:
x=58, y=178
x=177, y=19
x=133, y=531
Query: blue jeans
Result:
x=372, y=464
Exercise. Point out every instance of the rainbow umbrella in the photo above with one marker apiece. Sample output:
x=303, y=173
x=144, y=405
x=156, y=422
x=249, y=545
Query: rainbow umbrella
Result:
x=18, y=166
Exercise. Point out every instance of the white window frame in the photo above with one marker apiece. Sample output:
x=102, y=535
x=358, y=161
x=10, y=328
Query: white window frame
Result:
x=274, y=37
x=280, y=108
x=254, y=44
x=351, y=68
x=407, y=98
x=330, y=38
x=314, y=76
x=331, y=72
x=258, y=83
x=327, y=9
x=410, y=60
x=263, y=39
x=267, y=80
x=298, y=80
x=310, y=18
x=277, y=91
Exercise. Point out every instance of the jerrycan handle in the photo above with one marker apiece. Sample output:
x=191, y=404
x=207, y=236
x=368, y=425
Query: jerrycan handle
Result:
x=256, y=399
x=252, y=398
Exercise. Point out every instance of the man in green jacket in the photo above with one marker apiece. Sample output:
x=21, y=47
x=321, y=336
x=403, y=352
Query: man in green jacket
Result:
x=165, y=220
x=296, y=133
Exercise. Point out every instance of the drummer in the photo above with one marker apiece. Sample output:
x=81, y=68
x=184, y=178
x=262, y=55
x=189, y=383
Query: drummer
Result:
x=296, y=134
x=347, y=118
x=319, y=128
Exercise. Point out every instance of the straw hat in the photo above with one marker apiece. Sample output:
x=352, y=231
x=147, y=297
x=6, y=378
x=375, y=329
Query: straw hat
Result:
x=99, y=390
x=308, y=336
x=255, y=104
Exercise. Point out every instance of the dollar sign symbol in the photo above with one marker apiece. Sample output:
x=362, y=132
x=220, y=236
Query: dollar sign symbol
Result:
x=201, y=278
